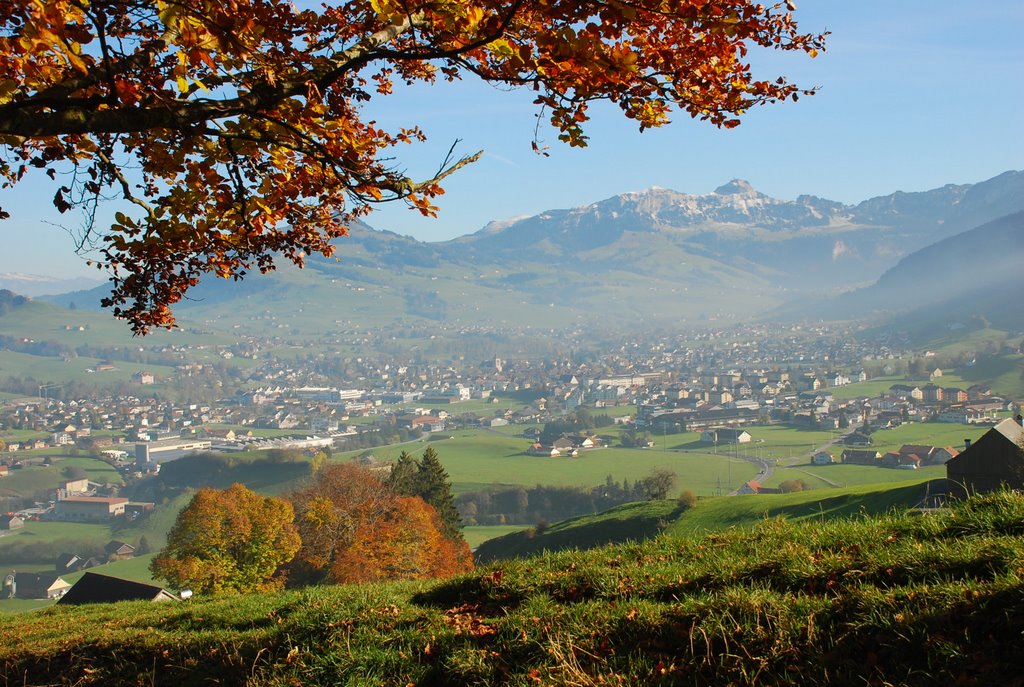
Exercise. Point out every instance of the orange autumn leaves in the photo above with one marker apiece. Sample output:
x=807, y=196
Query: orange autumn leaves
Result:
x=345, y=526
x=355, y=529
x=228, y=540
x=235, y=129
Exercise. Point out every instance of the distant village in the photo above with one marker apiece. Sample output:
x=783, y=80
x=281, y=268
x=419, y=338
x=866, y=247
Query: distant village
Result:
x=715, y=384
x=721, y=388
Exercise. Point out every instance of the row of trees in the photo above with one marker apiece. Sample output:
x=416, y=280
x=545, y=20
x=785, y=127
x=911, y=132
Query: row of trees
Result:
x=530, y=505
x=349, y=524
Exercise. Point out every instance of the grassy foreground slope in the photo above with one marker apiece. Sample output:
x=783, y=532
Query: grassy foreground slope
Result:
x=909, y=600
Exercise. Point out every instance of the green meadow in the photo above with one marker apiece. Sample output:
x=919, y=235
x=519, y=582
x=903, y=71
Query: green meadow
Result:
x=927, y=433
x=33, y=479
x=477, y=459
x=78, y=369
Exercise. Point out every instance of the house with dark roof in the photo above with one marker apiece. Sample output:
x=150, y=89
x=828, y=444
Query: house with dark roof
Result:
x=856, y=439
x=95, y=588
x=993, y=462
x=726, y=435
x=39, y=585
x=861, y=456
x=119, y=551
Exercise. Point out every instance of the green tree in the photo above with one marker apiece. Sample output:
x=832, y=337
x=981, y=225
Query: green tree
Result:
x=658, y=484
x=435, y=487
x=792, y=485
x=404, y=474
x=74, y=472
x=228, y=540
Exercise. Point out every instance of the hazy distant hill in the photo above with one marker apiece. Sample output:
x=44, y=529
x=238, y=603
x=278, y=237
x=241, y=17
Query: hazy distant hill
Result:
x=39, y=285
x=978, y=272
x=655, y=255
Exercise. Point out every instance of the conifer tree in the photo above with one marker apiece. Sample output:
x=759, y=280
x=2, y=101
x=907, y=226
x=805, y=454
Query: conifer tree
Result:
x=434, y=487
x=405, y=475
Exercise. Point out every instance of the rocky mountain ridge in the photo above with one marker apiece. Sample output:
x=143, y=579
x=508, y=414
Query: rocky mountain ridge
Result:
x=641, y=257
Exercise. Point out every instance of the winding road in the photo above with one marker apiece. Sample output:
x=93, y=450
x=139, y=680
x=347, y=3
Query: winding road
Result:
x=766, y=468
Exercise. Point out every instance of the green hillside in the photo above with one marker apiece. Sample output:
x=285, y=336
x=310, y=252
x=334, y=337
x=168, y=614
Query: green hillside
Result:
x=892, y=600
x=640, y=521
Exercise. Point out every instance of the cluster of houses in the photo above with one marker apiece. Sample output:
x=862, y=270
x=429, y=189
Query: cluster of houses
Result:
x=907, y=457
x=566, y=446
x=92, y=587
x=52, y=585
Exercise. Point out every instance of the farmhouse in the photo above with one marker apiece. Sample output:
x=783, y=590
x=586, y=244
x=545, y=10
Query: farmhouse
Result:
x=726, y=435
x=861, y=456
x=89, y=508
x=857, y=439
x=39, y=585
x=822, y=458
x=11, y=522
x=119, y=551
x=539, y=449
x=95, y=588
x=992, y=462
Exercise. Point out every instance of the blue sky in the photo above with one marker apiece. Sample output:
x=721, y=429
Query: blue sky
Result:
x=914, y=94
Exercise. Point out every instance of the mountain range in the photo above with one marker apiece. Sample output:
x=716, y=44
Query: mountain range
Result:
x=651, y=256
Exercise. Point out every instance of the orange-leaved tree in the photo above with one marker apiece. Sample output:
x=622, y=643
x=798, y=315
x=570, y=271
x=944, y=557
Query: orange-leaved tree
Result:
x=228, y=540
x=406, y=542
x=235, y=129
x=354, y=528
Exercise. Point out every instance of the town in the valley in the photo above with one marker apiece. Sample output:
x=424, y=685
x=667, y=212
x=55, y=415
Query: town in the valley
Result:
x=724, y=384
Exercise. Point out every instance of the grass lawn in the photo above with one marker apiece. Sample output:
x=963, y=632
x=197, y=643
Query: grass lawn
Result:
x=1004, y=373
x=855, y=475
x=10, y=606
x=136, y=569
x=48, y=531
x=713, y=515
x=896, y=600
x=783, y=474
x=514, y=430
x=32, y=480
x=60, y=536
x=783, y=441
x=475, y=535
x=869, y=389
x=481, y=457
x=19, y=435
x=97, y=470
x=928, y=433
x=951, y=343
x=76, y=369
x=484, y=407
